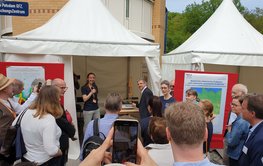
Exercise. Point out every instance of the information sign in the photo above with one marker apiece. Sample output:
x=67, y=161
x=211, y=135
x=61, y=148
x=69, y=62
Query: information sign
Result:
x=12, y=8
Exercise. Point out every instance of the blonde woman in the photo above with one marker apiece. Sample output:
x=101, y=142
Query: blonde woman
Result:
x=40, y=131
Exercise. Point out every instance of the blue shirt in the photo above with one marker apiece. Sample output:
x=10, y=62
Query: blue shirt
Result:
x=166, y=103
x=105, y=125
x=204, y=162
x=237, y=137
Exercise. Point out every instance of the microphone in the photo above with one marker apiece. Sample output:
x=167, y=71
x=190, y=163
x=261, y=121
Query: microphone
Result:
x=93, y=95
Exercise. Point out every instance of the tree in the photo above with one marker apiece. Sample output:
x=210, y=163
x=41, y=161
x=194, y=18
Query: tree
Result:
x=182, y=26
x=255, y=18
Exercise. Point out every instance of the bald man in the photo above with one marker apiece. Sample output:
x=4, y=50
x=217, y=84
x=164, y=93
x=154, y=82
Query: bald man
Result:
x=67, y=128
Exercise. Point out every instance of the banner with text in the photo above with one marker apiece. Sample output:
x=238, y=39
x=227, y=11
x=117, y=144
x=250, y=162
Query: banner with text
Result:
x=212, y=87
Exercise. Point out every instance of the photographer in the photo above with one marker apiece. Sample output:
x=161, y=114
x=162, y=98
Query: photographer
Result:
x=98, y=155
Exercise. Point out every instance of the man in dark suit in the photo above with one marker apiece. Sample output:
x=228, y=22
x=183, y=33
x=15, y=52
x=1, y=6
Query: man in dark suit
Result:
x=146, y=95
x=252, y=152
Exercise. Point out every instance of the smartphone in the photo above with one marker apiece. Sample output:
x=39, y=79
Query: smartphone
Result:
x=125, y=141
x=39, y=86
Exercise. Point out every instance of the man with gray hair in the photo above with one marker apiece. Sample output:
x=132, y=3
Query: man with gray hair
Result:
x=238, y=90
x=145, y=97
x=113, y=105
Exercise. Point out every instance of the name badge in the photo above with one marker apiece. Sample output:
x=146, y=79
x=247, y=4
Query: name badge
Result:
x=245, y=149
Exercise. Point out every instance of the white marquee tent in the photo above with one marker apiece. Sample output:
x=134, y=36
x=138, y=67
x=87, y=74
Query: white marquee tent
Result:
x=226, y=38
x=81, y=28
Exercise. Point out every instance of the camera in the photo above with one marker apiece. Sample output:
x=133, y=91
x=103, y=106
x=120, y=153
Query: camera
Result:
x=76, y=77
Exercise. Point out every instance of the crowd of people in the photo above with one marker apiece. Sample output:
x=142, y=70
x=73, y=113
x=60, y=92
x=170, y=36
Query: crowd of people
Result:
x=45, y=127
x=171, y=132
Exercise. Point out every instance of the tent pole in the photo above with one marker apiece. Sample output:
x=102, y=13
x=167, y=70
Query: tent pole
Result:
x=1, y=57
x=128, y=77
x=238, y=71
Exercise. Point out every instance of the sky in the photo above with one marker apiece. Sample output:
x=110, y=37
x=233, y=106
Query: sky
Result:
x=179, y=5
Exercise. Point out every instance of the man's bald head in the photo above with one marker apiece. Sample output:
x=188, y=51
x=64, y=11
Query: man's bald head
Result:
x=60, y=84
x=239, y=90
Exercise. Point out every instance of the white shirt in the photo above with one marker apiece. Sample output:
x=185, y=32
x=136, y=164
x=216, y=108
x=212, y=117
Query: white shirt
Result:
x=41, y=136
x=161, y=153
x=16, y=106
x=143, y=89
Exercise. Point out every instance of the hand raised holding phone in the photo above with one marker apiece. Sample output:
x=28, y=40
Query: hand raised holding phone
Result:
x=142, y=154
x=99, y=155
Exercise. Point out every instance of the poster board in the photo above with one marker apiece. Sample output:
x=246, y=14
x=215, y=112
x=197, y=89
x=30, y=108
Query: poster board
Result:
x=27, y=72
x=220, y=84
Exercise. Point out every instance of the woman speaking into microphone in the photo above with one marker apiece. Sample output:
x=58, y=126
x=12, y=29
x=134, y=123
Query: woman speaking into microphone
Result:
x=90, y=97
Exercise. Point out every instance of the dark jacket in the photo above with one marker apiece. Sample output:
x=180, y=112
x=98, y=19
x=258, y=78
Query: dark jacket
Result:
x=6, y=119
x=68, y=131
x=144, y=131
x=146, y=95
x=252, y=153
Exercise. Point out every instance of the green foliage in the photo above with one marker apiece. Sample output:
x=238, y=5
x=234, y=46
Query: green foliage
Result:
x=255, y=18
x=182, y=25
x=213, y=96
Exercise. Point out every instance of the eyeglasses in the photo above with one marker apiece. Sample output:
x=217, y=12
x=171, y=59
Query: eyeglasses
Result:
x=63, y=87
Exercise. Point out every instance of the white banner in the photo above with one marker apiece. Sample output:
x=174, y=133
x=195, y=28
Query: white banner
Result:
x=26, y=74
x=212, y=87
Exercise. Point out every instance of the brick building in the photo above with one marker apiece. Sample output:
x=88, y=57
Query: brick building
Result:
x=146, y=18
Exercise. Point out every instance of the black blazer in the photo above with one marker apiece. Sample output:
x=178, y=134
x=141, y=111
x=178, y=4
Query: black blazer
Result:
x=146, y=95
x=252, y=153
x=68, y=131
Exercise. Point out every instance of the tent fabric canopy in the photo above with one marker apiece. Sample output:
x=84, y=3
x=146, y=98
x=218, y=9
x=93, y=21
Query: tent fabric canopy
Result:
x=226, y=38
x=67, y=34
x=82, y=28
x=97, y=33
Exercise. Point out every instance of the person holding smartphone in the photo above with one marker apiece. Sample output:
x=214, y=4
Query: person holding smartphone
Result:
x=99, y=155
x=113, y=105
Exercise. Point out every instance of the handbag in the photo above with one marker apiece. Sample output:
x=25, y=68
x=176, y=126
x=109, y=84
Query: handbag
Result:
x=19, y=140
x=14, y=141
x=68, y=116
x=6, y=149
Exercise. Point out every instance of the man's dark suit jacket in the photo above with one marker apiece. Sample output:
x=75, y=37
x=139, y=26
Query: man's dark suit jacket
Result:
x=68, y=131
x=254, y=146
x=146, y=95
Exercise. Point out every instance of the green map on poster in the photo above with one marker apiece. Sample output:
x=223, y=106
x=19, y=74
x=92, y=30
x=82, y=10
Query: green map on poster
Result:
x=212, y=94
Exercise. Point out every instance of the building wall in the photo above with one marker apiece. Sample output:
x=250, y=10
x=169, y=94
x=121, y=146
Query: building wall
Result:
x=5, y=25
x=146, y=17
x=39, y=13
x=158, y=24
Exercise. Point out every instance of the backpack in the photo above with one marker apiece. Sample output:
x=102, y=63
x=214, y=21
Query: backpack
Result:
x=94, y=141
